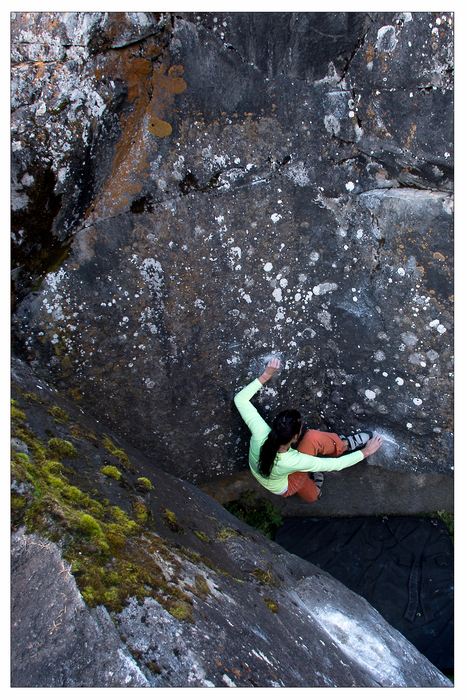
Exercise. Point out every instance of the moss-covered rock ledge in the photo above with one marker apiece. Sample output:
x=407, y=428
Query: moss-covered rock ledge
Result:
x=125, y=576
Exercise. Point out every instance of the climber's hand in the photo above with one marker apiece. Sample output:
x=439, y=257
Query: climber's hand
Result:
x=372, y=446
x=270, y=370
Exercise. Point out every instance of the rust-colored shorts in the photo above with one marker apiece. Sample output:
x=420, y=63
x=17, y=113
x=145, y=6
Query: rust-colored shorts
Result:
x=313, y=443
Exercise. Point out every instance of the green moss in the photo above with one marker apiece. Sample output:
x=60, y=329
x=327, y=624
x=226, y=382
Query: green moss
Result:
x=226, y=534
x=51, y=466
x=16, y=414
x=72, y=493
x=119, y=454
x=122, y=525
x=37, y=449
x=179, y=609
x=63, y=448
x=144, y=482
x=90, y=526
x=271, y=604
x=170, y=521
x=20, y=464
x=111, y=472
x=18, y=504
x=59, y=414
x=112, y=556
x=33, y=398
x=56, y=481
x=202, y=536
x=143, y=514
x=201, y=589
x=266, y=577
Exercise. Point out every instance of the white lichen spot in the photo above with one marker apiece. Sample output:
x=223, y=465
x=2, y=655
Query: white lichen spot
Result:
x=417, y=402
x=276, y=217
x=350, y=186
x=152, y=273
x=401, y=272
x=268, y=266
x=234, y=254
x=399, y=381
x=277, y=294
x=370, y=394
x=332, y=124
x=379, y=356
x=386, y=39
x=314, y=256
x=409, y=425
x=280, y=315
x=297, y=173
x=320, y=289
x=409, y=339
x=325, y=319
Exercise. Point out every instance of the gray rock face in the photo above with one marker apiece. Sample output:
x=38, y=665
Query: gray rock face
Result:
x=57, y=641
x=260, y=617
x=201, y=191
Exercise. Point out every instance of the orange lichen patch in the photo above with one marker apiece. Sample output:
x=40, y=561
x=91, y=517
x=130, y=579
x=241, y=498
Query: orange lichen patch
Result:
x=370, y=53
x=411, y=136
x=164, y=87
x=439, y=256
x=157, y=127
x=146, y=120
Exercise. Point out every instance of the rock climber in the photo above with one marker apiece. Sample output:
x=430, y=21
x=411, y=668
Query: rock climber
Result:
x=284, y=458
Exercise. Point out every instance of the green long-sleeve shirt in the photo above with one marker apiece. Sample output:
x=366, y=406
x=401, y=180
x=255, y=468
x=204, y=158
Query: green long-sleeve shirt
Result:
x=286, y=462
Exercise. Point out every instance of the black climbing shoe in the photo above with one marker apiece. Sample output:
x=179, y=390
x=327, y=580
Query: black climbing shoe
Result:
x=356, y=441
x=318, y=478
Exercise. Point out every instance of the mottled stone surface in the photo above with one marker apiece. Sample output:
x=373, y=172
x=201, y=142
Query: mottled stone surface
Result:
x=261, y=617
x=201, y=191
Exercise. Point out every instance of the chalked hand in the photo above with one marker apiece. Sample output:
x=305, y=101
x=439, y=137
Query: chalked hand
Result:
x=272, y=366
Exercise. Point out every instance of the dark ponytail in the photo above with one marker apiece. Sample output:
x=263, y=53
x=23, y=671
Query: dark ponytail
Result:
x=285, y=426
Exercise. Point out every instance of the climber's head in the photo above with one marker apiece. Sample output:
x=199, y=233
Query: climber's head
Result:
x=286, y=426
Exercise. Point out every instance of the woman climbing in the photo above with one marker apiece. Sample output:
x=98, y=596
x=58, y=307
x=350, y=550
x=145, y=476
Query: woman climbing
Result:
x=284, y=470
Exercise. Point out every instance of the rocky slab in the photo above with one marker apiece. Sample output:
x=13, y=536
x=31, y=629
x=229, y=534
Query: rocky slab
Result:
x=194, y=193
